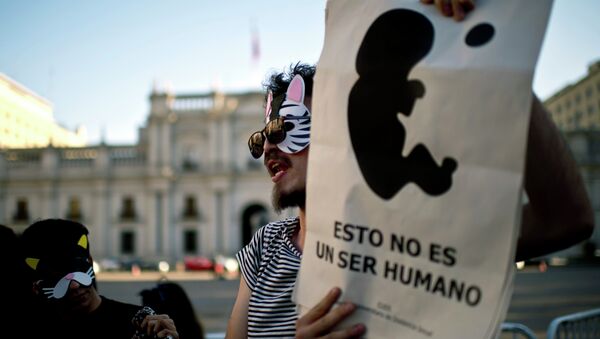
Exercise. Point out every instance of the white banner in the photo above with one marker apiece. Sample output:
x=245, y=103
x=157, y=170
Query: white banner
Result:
x=416, y=162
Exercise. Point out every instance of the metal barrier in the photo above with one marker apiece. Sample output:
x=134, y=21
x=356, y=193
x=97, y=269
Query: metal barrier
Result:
x=517, y=331
x=577, y=325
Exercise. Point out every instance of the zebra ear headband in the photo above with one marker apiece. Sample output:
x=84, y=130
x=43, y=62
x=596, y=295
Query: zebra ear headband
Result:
x=295, y=114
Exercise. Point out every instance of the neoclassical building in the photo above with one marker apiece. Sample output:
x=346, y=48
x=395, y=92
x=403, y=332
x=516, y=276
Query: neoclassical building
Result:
x=577, y=105
x=188, y=187
x=27, y=120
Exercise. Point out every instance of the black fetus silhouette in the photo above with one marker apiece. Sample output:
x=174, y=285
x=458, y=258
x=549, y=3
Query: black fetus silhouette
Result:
x=393, y=44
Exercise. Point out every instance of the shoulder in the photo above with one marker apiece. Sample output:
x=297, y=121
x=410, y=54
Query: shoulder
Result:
x=281, y=226
x=265, y=238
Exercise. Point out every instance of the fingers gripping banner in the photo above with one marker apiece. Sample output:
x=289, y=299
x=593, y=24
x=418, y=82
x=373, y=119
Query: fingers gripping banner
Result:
x=416, y=164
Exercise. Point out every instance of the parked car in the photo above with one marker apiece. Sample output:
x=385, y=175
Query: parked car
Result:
x=198, y=263
x=225, y=264
x=129, y=264
x=109, y=264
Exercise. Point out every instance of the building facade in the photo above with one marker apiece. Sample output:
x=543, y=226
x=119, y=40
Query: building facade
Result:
x=27, y=120
x=585, y=147
x=577, y=106
x=188, y=187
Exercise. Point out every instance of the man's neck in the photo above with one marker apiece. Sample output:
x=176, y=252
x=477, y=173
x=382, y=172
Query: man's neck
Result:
x=299, y=238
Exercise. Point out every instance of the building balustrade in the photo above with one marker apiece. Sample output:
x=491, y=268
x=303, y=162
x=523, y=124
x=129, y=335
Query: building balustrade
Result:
x=192, y=103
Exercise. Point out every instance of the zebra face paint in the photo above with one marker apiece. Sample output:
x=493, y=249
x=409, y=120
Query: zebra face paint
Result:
x=295, y=114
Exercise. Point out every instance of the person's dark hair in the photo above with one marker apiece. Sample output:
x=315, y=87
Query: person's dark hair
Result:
x=278, y=82
x=170, y=298
x=9, y=253
x=16, y=307
x=55, y=243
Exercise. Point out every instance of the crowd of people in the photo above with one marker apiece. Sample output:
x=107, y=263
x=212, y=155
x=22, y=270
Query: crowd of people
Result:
x=53, y=291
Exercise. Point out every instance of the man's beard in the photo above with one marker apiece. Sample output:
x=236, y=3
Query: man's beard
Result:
x=282, y=201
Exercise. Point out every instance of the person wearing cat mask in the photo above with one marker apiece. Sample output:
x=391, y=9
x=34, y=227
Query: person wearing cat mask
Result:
x=58, y=262
x=557, y=215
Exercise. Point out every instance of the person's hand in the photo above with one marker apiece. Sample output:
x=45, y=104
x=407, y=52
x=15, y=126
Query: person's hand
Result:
x=159, y=325
x=321, y=319
x=453, y=8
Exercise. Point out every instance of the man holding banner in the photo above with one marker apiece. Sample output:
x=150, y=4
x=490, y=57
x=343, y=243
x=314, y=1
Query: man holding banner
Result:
x=348, y=240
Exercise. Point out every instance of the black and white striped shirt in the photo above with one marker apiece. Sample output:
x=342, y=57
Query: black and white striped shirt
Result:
x=270, y=264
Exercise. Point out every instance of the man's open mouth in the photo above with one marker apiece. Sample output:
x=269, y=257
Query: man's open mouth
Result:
x=277, y=168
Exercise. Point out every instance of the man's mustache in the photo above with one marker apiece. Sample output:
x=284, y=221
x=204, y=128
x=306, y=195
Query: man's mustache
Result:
x=275, y=156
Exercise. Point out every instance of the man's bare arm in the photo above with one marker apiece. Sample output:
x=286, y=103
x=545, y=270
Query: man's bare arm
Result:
x=558, y=214
x=238, y=321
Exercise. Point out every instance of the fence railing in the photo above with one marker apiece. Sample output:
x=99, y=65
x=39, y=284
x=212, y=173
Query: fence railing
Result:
x=577, y=325
x=516, y=331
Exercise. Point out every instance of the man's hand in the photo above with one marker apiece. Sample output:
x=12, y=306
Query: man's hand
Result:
x=453, y=8
x=321, y=319
x=159, y=325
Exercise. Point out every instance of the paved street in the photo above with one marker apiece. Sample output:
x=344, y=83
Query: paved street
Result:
x=537, y=299
x=540, y=297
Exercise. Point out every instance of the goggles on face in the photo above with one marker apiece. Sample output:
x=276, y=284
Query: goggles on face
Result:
x=275, y=132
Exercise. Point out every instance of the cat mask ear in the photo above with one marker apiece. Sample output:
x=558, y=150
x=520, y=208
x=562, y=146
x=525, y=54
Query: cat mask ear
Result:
x=83, y=242
x=32, y=263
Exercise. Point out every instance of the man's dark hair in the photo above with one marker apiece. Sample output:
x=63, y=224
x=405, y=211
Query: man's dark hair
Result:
x=49, y=236
x=278, y=82
x=55, y=243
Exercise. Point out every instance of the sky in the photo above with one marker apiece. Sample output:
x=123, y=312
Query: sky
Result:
x=98, y=61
